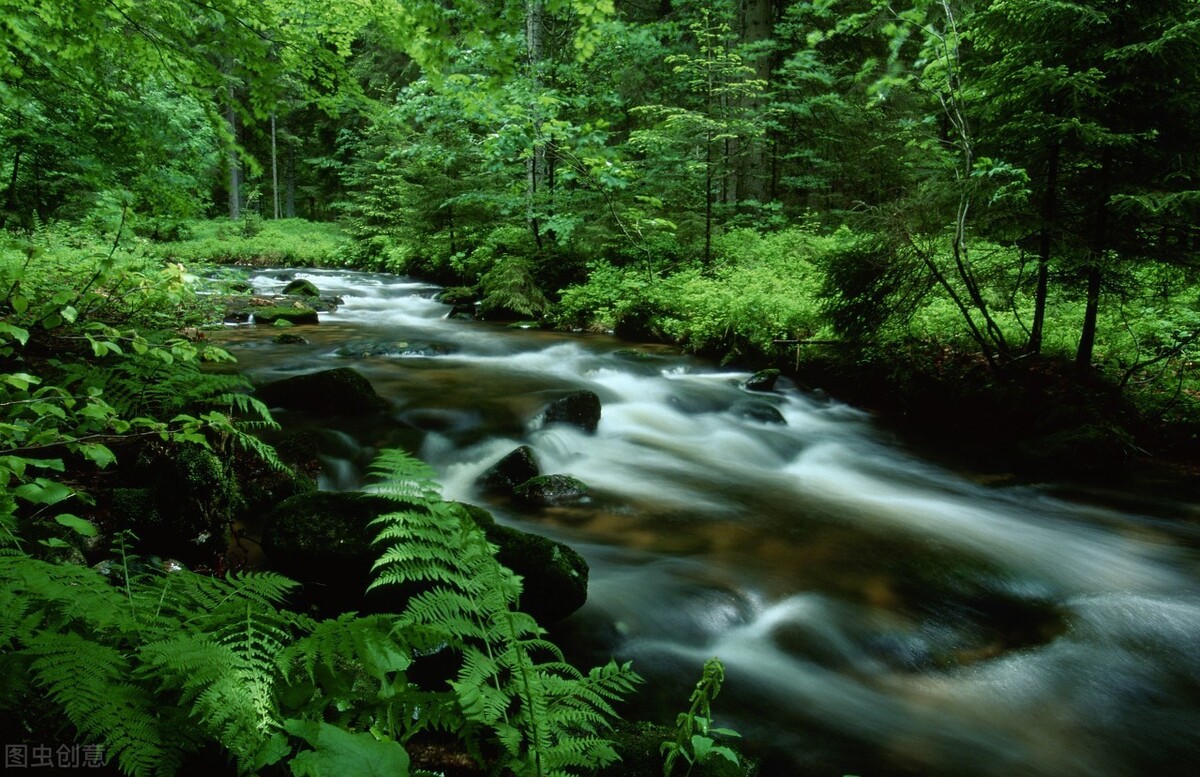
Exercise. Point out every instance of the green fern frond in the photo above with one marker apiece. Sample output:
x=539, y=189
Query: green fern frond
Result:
x=87, y=679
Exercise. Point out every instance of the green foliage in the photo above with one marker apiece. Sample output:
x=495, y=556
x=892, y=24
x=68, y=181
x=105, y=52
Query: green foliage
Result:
x=761, y=288
x=547, y=716
x=693, y=728
x=291, y=242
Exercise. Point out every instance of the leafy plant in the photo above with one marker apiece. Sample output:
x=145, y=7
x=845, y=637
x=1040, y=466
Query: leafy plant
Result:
x=547, y=717
x=693, y=729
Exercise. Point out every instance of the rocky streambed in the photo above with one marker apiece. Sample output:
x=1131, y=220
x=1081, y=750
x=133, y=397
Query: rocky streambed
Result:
x=877, y=613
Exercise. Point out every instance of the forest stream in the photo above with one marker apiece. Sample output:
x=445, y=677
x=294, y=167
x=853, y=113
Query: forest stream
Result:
x=877, y=614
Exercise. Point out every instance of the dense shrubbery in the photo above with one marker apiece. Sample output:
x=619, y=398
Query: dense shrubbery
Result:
x=252, y=240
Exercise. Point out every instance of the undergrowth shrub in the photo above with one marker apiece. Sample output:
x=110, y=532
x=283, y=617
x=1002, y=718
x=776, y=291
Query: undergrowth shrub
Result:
x=256, y=241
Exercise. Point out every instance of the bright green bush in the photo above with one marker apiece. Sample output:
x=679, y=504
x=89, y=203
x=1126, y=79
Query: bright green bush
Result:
x=762, y=288
x=283, y=242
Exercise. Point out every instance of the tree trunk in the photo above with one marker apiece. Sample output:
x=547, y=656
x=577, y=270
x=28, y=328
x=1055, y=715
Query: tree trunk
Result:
x=753, y=169
x=535, y=166
x=1099, y=245
x=1049, y=208
x=290, y=176
x=235, y=194
x=1087, y=335
x=274, y=169
x=10, y=197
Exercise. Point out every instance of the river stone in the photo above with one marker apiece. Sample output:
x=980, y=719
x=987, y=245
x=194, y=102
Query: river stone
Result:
x=240, y=287
x=547, y=490
x=340, y=391
x=297, y=314
x=303, y=288
x=579, y=408
x=289, y=338
x=462, y=312
x=324, y=540
x=760, y=412
x=763, y=380
x=511, y=471
x=555, y=576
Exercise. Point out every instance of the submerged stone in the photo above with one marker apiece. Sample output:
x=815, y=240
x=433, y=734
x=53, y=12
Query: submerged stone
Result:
x=761, y=412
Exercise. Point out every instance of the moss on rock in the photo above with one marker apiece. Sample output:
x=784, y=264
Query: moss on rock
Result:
x=298, y=314
x=547, y=490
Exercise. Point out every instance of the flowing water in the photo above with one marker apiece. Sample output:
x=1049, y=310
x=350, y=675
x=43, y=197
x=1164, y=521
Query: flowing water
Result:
x=877, y=614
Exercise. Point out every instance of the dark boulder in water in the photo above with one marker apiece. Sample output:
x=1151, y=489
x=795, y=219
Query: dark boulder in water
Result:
x=579, y=408
x=511, y=471
x=340, y=391
x=763, y=380
x=548, y=490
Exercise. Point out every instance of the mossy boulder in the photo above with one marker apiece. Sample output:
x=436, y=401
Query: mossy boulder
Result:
x=302, y=288
x=324, y=540
x=511, y=471
x=548, y=490
x=555, y=576
x=178, y=500
x=579, y=408
x=290, y=338
x=763, y=380
x=341, y=391
x=294, y=314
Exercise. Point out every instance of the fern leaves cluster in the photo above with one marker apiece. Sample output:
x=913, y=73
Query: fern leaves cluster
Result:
x=156, y=666
x=547, y=716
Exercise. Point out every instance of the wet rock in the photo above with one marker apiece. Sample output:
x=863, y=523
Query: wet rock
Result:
x=761, y=412
x=511, y=471
x=462, y=312
x=239, y=287
x=579, y=408
x=548, y=490
x=323, y=540
x=323, y=304
x=236, y=317
x=303, y=288
x=763, y=380
x=340, y=391
x=297, y=314
x=288, y=338
x=632, y=354
x=555, y=576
